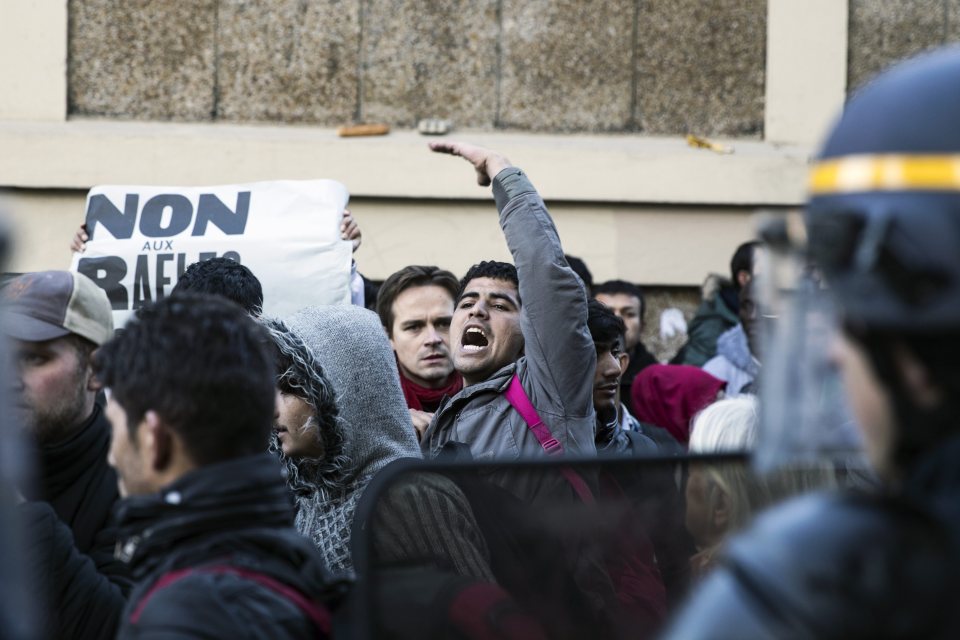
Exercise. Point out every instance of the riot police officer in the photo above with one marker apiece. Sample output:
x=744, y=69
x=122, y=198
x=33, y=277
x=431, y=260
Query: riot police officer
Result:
x=883, y=227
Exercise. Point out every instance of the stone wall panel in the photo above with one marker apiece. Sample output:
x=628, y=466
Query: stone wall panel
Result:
x=440, y=62
x=566, y=65
x=701, y=67
x=142, y=59
x=296, y=62
x=882, y=32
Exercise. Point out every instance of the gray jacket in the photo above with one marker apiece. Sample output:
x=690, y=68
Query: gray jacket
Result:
x=556, y=369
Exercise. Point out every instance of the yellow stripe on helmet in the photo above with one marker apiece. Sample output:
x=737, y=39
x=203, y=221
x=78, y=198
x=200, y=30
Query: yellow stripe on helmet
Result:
x=891, y=172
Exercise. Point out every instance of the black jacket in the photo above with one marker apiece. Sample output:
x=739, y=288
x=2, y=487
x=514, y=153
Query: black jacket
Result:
x=71, y=598
x=75, y=479
x=236, y=515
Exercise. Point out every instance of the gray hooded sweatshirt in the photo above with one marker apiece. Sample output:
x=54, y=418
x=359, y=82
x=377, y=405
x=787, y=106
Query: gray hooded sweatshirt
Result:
x=556, y=370
x=356, y=357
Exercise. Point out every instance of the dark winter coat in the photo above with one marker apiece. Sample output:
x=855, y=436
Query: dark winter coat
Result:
x=236, y=514
x=74, y=477
x=73, y=600
x=717, y=313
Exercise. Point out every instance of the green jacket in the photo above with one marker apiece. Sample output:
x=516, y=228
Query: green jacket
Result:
x=712, y=319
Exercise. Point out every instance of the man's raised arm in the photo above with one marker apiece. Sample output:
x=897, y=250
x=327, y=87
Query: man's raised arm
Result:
x=559, y=351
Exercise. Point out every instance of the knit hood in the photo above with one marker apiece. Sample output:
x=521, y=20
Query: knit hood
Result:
x=350, y=352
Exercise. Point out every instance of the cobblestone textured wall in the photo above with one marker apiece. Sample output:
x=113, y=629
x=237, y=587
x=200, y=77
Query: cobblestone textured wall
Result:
x=653, y=66
x=884, y=31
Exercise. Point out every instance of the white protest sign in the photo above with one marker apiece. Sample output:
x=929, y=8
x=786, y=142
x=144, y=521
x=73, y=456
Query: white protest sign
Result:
x=286, y=231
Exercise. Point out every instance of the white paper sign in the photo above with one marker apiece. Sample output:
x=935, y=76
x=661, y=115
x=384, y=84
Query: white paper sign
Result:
x=287, y=232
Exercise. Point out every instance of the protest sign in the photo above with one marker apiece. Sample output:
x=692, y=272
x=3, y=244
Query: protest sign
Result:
x=287, y=232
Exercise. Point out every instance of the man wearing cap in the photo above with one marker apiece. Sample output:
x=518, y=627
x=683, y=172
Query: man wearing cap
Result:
x=55, y=320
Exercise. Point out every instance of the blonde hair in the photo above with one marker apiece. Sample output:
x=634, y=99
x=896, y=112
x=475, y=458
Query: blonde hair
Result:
x=730, y=426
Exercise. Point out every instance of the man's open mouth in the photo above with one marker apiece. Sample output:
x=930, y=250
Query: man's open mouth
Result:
x=474, y=339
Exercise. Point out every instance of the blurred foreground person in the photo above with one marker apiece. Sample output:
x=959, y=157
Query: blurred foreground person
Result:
x=56, y=319
x=207, y=523
x=883, y=226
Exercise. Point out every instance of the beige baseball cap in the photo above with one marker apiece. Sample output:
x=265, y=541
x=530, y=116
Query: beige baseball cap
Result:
x=51, y=304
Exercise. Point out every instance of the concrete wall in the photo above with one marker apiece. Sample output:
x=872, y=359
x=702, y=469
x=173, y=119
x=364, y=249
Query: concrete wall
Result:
x=592, y=99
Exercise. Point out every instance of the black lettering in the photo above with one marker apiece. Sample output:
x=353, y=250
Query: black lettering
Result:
x=107, y=272
x=168, y=244
x=207, y=255
x=141, y=283
x=119, y=223
x=162, y=279
x=181, y=212
x=181, y=264
x=212, y=209
x=232, y=255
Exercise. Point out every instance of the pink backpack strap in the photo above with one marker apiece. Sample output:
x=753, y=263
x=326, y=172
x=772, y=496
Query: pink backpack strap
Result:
x=519, y=400
x=318, y=614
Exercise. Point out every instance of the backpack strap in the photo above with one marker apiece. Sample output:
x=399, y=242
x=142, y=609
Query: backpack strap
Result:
x=318, y=614
x=519, y=400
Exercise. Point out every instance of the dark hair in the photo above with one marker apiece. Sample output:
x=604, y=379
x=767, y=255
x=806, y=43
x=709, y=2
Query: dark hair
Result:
x=742, y=260
x=490, y=269
x=412, y=276
x=605, y=326
x=224, y=277
x=204, y=366
x=613, y=287
x=580, y=268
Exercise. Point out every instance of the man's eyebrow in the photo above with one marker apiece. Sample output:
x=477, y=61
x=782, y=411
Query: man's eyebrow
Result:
x=412, y=323
x=469, y=294
x=503, y=296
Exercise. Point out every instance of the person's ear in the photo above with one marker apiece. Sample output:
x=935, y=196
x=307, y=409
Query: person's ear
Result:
x=916, y=378
x=743, y=278
x=93, y=383
x=156, y=442
x=624, y=362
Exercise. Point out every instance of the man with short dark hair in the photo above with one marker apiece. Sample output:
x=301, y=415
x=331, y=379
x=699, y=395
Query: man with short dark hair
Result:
x=415, y=305
x=55, y=320
x=518, y=335
x=626, y=300
x=225, y=277
x=616, y=429
x=207, y=526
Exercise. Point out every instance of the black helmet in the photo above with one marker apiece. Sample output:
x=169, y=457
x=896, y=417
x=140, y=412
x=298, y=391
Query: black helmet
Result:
x=883, y=219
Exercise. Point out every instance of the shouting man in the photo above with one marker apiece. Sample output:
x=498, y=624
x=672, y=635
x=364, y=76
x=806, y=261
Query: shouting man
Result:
x=518, y=334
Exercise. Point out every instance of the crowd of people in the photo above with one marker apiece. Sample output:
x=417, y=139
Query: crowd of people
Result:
x=499, y=455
